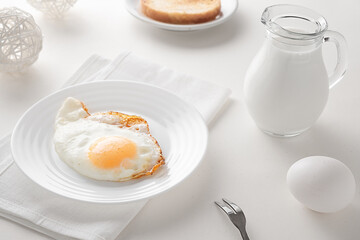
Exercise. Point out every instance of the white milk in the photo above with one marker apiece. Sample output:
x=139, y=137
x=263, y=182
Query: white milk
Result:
x=286, y=87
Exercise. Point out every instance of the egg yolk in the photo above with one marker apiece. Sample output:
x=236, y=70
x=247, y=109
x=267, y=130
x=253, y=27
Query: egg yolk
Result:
x=110, y=152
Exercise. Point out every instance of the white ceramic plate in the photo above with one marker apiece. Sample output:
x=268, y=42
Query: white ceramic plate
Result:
x=228, y=8
x=177, y=125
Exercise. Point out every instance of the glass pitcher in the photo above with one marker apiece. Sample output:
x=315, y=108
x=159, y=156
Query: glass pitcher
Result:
x=287, y=86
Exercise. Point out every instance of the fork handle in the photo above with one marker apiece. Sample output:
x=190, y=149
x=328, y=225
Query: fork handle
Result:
x=244, y=234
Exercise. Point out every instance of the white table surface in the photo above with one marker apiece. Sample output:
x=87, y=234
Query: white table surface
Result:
x=241, y=163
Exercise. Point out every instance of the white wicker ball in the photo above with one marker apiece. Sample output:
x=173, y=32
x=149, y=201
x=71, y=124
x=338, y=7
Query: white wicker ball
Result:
x=52, y=8
x=20, y=40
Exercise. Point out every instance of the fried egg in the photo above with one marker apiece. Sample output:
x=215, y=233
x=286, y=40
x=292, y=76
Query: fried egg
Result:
x=109, y=146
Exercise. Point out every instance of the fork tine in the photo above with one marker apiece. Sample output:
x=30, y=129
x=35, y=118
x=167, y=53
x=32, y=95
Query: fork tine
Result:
x=235, y=207
x=225, y=208
x=236, y=216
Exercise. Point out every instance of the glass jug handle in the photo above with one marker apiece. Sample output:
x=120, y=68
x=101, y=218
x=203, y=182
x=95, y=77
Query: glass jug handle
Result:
x=342, y=56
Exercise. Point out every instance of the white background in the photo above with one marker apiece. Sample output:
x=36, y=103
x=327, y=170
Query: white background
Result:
x=242, y=163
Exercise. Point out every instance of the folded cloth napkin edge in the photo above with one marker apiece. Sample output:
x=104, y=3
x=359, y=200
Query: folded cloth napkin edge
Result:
x=42, y=223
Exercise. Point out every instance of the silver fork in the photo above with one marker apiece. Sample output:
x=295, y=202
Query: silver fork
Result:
x=236, y=216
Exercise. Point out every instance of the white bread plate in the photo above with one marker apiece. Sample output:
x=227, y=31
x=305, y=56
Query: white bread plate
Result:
x=228, y=8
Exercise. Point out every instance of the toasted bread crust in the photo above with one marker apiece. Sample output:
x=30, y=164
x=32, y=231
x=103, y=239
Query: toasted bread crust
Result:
x=181, y=11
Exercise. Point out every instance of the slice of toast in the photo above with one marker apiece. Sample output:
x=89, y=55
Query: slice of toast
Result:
x=181, y=11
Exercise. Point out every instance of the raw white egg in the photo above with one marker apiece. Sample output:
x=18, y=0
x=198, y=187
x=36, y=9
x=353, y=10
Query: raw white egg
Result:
x=322, y=184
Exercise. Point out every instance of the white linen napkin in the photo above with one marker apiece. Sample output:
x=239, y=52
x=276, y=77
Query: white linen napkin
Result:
x=23, y=201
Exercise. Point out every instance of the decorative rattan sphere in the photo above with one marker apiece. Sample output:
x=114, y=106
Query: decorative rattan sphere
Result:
x=20, y=40
x=52, y=8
